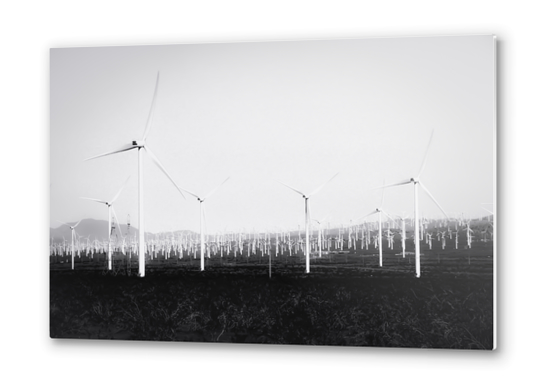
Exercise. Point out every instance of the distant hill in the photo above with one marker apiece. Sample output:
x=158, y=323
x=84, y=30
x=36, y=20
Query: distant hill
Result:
x=87, y=227
x=97, y=229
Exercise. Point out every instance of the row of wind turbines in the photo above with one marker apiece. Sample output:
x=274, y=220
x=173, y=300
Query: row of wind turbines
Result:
x=236, y=244
x=141, y=146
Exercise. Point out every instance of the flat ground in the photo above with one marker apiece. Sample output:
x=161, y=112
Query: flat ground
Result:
x=347, y=299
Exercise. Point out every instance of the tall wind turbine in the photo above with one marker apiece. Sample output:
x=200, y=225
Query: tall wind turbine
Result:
x=202, y=219
x=72, y=227
x=109, y=205
x=140, y=145
x=307, y=218
x=417, y=182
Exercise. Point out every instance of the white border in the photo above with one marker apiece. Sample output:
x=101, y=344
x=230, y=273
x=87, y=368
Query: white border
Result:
x=29, y=30
x=495, y=205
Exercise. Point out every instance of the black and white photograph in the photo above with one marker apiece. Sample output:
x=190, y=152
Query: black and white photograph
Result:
x=324, y=192
x=287, y=191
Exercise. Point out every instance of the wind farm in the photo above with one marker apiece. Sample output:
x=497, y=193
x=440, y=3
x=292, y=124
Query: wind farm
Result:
x=247, y=264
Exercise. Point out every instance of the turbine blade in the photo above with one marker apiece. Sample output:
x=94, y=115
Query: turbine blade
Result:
x=321, y=186
x=63, y=223
x=120, y=190
x=408, y=181
x=372, y=213
x=432, y=198
x=391, y=218
x=426, y=152
x=77, y=223
x=151, y=112
x=293, y=189
x=97, y=200
x=320, y=221
x=487, y=210
x=214, y=190
x=157, y=162
x=191, y=193
x=121, y=149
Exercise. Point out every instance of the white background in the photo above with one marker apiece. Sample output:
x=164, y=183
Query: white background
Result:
x=27, y=31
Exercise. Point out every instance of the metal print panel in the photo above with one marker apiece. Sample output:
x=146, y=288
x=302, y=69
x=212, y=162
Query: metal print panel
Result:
x=334, y=192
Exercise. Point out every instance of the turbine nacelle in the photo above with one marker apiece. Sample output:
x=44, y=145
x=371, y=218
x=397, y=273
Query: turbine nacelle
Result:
x=138, y=143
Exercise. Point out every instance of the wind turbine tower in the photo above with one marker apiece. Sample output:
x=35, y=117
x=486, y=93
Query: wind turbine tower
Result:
x=128, y=237
x=201, y=201
x=307, y=218
x=417, y=183
x=140, y=145
x=72, y=228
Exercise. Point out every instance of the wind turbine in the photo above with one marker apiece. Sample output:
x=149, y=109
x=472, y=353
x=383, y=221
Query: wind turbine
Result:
x=109, y=205
x=140, y=145
x=469, y=234
x=417, y=182
x=202, y=218
x=403, y=233
x=307, y=218
x=320, y=221
x=72, y=227
x=380, y=211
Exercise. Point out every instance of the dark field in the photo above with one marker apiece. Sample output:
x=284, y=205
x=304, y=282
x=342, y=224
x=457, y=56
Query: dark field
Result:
x=345, y=300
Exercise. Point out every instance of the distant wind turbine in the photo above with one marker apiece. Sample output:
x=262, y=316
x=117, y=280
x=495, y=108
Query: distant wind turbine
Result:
x=72, y=228
x=109, y=205
x=380, y=211
x=320, y=221
x=139, y=145
x=307, y=218
x=403, y=233
x=202, y=219
x=416, y=181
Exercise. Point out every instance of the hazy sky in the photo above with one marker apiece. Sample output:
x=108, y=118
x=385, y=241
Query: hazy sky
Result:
x=296, y=112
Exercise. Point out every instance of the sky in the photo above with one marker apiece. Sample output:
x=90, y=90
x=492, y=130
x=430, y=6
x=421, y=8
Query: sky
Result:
x=266, y=113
